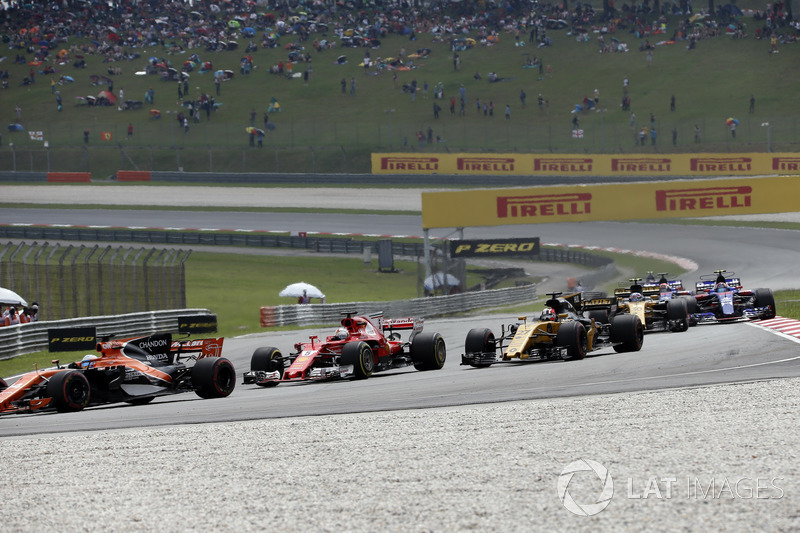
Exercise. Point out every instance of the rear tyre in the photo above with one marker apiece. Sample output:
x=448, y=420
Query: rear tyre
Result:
x=765, y=298
x=480, y=340
x=69, y=390
x=678, y=314
x=213, y=377
x=267, y=359
x=627, y=333
x=691, y=308
x=428, y=351
x=572, y=336
x=3, y=385
x=360, y=355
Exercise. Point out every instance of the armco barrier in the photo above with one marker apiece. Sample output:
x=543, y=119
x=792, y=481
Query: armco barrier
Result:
x=314, y=314
x=69, y=177
x=133, y=175
x=26, y=338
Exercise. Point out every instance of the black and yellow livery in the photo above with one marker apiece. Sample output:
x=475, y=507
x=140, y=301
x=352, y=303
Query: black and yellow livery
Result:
x=561, y=331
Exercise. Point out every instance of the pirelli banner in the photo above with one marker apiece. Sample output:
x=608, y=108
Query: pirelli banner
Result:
x=711, y=165
x=610, y=201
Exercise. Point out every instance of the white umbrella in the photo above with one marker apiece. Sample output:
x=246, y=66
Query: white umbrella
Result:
x=440, y=279
x=9, y=297
x=295, y=290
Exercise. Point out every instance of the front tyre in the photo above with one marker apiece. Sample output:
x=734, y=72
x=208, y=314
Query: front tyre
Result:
x=572, y=336
x=360, y=355
x=69, y=390
x=428, y=351
x=765, y=298
x=627, y=333
x=267, y=359
x=482, y=341
x=213, y=377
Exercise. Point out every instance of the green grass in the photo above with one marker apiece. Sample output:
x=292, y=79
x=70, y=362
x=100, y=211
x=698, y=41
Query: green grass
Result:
x=711, y=83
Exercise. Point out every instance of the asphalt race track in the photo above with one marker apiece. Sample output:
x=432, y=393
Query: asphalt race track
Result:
x=704, y=355
x=697, y=430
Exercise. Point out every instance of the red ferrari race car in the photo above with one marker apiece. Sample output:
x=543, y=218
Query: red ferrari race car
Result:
x=361, y=346
x=133, y=370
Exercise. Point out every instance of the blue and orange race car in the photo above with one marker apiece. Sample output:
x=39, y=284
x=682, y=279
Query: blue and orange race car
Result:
x=135, y=371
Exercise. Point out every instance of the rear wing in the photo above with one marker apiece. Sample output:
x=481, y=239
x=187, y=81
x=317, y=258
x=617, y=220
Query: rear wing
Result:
x=198, y=348
x=598, y=303
x=411, y=323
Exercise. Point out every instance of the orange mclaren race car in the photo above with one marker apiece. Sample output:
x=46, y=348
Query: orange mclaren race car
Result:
x=133, y=370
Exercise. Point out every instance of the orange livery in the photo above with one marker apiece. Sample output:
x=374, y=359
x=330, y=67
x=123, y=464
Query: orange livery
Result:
x=135, y=371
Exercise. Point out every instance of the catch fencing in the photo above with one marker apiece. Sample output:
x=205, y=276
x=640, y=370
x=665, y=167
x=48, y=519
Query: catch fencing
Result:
x=435, y=306
x=73, y=281
x=330, y=147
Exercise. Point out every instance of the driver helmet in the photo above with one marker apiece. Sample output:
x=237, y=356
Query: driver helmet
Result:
x=721, y=286
x=341, y=334
x=548, y=315
x=664, y=287
x=636, y=297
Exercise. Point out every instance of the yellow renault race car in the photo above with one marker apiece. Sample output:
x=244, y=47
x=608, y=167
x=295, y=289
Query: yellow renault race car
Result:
x=561, y=331
x=659, y=305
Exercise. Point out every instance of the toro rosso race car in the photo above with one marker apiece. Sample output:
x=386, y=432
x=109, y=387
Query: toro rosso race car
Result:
x=661, y=306
x=722, y=299
x=561, y=331
x=360, y=346
x=133, y=370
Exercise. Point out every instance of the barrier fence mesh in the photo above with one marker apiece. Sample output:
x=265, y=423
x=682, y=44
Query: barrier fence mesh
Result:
x=71, y=282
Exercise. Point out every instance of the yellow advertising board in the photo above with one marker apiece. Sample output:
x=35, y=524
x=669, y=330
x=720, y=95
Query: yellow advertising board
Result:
x=610, y=201
x=650, y=166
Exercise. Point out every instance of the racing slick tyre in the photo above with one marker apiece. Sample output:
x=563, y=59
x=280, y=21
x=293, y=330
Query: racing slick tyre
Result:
x=428, y=351
x=765, y=298
x=69, y=390
x=678, y=314
x=691, y=308
x=480, y=340
x=213, y=377
x=3, y=385
x=267, y=359
x=627, y=333
x=572, y=336
x=360, y=355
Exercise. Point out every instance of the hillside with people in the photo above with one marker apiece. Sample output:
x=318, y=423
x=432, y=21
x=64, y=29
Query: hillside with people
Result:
x=243, y=86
